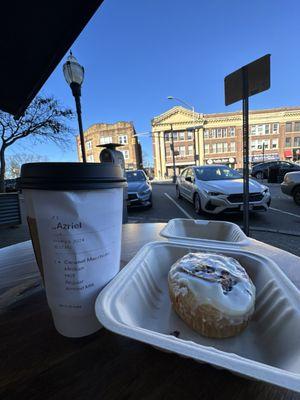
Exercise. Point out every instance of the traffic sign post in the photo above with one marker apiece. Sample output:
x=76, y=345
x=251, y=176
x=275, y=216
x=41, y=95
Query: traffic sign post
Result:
x=247, y=81
x=245, y=152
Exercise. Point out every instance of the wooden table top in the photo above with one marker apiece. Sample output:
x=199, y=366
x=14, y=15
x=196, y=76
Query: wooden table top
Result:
x=38, y=363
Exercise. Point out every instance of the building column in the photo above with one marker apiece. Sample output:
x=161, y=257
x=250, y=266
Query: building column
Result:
x=197, y=146
x=201, y=146
x=162, y=154
x=157, y=155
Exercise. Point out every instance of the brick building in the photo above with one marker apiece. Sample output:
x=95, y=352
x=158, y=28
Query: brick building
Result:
x=120, y=132
x=217, y=138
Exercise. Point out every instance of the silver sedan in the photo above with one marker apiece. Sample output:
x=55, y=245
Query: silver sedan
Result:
x=217, y=188
x=291, y=185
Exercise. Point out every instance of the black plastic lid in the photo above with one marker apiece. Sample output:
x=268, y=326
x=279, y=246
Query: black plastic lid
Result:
x=71, y=176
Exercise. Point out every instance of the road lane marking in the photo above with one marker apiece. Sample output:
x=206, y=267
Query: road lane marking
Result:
x=177, y=205
x=284, y=212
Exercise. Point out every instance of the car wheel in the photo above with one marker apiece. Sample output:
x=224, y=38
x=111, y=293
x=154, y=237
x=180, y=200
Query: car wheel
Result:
x=259, y=175
x=197, y=204
x=150, y=202
x=296, y=196
x=178, y=195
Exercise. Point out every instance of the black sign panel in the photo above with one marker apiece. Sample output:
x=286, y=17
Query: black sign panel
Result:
x=258, y=75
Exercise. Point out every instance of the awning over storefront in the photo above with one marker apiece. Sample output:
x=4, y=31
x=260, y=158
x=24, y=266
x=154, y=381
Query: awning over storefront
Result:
x=34, y=37
x=288, y=153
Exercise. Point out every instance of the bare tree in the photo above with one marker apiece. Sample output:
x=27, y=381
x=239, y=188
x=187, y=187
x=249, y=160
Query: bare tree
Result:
x=45, y=119
x=14, y=163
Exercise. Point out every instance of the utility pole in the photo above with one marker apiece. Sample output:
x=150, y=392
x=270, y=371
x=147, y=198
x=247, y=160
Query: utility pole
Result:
x=263, y=151
x=246, y=151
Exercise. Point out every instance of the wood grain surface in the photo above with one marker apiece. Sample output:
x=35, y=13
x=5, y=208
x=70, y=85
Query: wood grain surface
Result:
x=37, y=363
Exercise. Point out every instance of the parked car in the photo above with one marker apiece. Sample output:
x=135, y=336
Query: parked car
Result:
x=260, y=171
x=139, y=189
x=217, y=188
x=291, y=186
x=11, y=185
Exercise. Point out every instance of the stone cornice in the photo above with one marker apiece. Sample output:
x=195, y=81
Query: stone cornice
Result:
x=280, y=115
x=175, y=110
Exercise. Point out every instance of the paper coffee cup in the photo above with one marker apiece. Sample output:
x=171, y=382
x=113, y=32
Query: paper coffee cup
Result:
x=74, y=213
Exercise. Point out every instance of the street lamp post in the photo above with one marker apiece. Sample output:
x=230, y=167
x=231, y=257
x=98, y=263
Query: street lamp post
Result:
x=74, y=74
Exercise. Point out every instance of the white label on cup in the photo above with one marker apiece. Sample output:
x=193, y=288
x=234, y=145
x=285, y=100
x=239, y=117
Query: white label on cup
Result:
x=79, y=236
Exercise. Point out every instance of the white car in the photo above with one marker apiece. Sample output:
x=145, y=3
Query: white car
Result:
x=217, y=188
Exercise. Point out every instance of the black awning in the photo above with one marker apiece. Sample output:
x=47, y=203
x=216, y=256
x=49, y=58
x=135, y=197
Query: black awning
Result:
x=34, y=37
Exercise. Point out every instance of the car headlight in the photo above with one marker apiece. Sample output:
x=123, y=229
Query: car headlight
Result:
x=209, y=193
x=145, y=191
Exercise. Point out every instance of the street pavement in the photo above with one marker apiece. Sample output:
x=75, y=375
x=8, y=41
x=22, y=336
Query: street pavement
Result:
x=280, y=226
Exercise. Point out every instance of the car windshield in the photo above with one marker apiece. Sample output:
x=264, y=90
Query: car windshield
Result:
x=216, y=173
x=135, y=176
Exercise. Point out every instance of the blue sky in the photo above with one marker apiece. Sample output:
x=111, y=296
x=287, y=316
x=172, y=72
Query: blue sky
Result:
x=136, y=53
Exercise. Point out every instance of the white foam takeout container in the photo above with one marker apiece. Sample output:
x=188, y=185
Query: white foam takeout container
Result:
x=210, y=233
x=136, y=304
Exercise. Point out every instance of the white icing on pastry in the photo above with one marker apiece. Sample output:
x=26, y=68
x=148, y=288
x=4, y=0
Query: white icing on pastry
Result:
x=214, y=280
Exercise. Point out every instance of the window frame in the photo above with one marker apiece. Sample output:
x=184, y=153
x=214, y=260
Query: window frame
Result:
x=125, y=151
x=184, y=152
x=120, y=139
x=181, y=136
x=290, y=124
x=189, y=135
x=89, y=144
x=296, y=123
x=296, y=141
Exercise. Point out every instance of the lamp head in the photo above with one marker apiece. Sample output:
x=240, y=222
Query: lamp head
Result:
x=73, y=71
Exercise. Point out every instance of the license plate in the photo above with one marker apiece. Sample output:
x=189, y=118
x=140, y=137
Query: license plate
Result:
x=250, y=207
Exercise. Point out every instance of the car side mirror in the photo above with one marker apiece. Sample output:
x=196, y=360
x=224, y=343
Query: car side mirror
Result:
x=189, y=179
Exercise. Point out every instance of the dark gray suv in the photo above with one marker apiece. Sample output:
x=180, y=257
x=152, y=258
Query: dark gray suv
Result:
x=260, y=171
x=139, y=189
